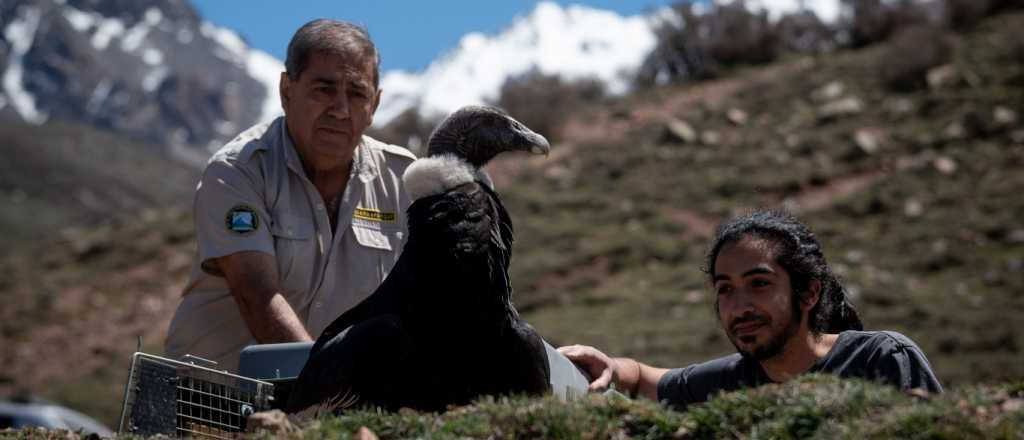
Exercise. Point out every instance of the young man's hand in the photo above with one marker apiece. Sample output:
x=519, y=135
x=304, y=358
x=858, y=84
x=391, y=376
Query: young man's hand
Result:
x=601, y=368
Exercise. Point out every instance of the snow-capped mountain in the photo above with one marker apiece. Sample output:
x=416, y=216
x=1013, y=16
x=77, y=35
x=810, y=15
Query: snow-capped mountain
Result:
x=575, y=41
x=155, y=70
x=826, y=10
x=152, y=69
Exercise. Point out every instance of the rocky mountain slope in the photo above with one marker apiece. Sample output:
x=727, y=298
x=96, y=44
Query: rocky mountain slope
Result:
x=150, y=69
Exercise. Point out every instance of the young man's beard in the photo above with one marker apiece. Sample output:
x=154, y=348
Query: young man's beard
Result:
x=777, y=341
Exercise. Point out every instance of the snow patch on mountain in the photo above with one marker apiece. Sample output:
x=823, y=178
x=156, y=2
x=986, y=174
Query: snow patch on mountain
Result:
x=232, y=47
x=260, y=65
x=266, y=69
x=137, y=34
x=575, y=42
x=826, y=10
x=20, y=33
x=78, y=19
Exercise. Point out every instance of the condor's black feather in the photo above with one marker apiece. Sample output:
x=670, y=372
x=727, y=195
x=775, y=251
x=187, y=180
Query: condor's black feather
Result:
x=441, y=329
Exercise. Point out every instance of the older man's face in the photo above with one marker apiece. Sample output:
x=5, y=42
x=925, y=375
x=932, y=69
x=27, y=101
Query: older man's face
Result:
x=328, y=107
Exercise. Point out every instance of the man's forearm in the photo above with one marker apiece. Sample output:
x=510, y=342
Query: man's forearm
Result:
x=270, y=318
x=253, y=281
x=638, y=379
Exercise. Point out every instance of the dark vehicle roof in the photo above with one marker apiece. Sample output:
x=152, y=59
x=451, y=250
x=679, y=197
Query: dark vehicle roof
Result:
x=47, y=415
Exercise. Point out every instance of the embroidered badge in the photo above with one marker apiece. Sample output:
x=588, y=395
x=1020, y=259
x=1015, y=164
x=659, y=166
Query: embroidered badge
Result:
x=242, y=219
x=374, y=215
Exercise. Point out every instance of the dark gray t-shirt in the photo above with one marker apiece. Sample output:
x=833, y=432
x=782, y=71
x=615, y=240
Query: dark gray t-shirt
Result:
x=883, y=356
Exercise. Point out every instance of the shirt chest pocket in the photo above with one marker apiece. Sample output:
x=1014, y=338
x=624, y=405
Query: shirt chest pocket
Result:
x=296, y=250
x=373, y=238
x=378, y=250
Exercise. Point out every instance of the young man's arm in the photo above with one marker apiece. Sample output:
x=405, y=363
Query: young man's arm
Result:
x=627, y=375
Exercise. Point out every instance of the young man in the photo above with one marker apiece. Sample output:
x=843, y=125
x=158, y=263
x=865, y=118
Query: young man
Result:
x=299, y=219
x=784, y=311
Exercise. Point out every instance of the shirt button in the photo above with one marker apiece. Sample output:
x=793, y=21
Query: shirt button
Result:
x=319, y=207
x=316, y=304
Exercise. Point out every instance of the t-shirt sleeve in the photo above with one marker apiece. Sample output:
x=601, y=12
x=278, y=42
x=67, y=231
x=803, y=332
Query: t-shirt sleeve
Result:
x=674, y=388
x=230, y=215
x=697, y=383
x=906, y=366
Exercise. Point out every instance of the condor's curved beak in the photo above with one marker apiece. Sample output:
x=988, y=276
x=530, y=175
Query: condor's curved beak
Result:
x=539, y=145
x=530, y=141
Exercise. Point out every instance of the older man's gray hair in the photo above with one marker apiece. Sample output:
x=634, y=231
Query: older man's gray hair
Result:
x=333, y=37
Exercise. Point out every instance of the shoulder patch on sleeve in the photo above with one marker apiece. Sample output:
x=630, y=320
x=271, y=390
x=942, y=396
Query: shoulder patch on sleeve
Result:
x=242, y=219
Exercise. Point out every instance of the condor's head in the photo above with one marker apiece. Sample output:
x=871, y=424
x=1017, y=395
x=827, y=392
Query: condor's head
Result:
x=463, y=143
x=477, y=133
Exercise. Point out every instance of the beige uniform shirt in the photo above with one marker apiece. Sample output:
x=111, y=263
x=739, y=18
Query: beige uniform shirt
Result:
x=254, y=196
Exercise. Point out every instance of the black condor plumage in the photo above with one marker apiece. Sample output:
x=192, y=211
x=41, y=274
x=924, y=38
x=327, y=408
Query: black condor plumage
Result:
x=441, y=329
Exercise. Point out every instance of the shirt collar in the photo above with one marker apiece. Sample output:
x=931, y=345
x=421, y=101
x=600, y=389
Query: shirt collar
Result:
x=362, y=161
x=291, y=156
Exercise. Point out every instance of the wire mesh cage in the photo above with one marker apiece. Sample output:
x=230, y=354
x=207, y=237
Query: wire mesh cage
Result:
x=179, y=399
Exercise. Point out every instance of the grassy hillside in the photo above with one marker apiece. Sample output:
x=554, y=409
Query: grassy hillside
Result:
x=915, y=194
x=812, y=407
x=96, y=238
x=920, y=215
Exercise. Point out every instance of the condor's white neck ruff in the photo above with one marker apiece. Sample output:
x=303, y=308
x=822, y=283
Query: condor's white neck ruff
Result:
x=434, y=175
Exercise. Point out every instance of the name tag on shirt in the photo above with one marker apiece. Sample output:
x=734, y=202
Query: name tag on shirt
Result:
x=374, y=215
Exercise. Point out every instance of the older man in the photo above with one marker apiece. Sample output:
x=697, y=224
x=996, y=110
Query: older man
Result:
x=299, y=219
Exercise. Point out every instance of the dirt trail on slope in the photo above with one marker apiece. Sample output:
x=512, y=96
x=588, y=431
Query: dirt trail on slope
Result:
x=607, y=125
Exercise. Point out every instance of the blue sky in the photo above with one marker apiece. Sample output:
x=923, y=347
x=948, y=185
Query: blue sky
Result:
x=409, y=34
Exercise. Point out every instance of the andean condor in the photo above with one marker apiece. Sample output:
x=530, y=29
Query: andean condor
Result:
x=441, y=329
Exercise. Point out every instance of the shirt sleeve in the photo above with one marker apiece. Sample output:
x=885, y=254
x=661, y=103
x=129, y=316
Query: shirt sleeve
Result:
x=230, y=214
x=907, y=367
x=674, y=388
x=697, y=383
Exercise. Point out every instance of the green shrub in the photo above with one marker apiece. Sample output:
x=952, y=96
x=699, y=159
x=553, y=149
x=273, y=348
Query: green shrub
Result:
x=804, y=32
x=964, y=14
x=696, y=46
x=905, y=63
x=871, y=21
x=544, y=102
x=823, y=407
